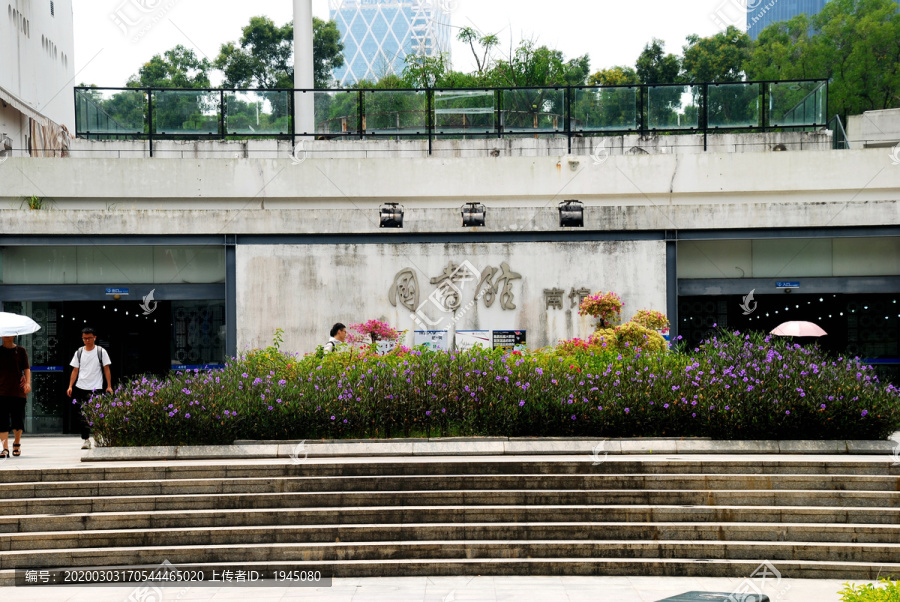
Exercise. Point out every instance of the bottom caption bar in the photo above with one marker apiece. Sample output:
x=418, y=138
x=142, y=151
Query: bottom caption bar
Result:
x=171, y=577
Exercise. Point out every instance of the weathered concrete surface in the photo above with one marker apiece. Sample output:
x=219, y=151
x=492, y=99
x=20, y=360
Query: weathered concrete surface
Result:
x=304, y=289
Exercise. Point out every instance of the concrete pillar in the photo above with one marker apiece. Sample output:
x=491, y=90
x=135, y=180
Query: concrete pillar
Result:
x=304, y=115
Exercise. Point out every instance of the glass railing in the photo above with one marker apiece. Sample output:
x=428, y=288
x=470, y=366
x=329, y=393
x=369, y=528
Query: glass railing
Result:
x=152, y=113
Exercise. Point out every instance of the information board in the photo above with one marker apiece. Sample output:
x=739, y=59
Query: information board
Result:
x=432, y=339
x=466, y=339
x=513, y=340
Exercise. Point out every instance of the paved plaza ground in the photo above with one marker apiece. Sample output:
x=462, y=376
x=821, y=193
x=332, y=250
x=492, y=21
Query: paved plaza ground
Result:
x=64, y=451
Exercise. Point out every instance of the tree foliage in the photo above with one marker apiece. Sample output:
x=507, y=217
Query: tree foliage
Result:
x=263, y=57
x=718, y=58
x=175, y=68
x=855, y=42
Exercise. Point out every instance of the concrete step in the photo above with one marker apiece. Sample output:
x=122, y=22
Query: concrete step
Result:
x=102, y=488
x=448, y=550
x=239, y=535
x=665, y=464
x=638, y=513
x=302, y=499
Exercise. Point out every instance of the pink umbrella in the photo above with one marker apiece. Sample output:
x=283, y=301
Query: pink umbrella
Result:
x=798, y=329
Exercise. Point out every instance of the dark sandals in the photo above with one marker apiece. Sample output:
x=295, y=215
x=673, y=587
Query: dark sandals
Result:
x=16, y=449
x=4, y=453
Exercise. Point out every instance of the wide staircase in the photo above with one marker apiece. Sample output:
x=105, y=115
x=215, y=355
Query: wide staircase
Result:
x=808, y=518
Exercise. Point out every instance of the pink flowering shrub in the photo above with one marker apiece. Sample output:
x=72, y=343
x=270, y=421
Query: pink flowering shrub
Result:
x=606, y=307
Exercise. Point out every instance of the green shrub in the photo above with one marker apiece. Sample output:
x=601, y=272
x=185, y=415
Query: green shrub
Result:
x=887, y=591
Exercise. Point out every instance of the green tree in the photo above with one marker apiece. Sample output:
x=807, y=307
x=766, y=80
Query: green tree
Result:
x=614, y=76
x=854, y=42
x=486, y=43
x=654, y=66
x=718, y=58
x=263, y=57
x=175, y=68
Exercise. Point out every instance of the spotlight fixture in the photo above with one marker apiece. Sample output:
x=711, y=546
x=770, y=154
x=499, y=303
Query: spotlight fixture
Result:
x=391, y=215
x=571, y=214
x=473, y=215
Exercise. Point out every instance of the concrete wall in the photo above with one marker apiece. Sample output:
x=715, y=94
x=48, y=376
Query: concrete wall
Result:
x=625, y=192
x=473, y=148
x=304, y=289
x=874, y=129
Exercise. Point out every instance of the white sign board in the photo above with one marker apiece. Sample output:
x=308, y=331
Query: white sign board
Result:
x=467, y=339
x=432, y=339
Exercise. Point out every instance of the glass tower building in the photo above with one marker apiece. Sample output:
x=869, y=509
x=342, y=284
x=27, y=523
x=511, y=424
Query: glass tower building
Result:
x=762, y=13
x=379, y=34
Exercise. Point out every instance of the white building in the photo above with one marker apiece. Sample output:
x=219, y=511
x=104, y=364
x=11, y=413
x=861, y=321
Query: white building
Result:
x=36, y=77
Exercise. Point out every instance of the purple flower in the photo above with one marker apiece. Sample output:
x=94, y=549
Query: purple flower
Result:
x=627, y=410
x=822, y=406
x=186, y=416
x=428, y=412
x=864, y=412
x=788, y=412
x=332, y=417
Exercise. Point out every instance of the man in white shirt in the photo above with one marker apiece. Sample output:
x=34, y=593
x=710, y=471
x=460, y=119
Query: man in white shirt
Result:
x=87, y=378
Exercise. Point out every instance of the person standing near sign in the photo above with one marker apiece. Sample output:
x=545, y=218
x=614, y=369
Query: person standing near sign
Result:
x=15, y=384
x=89, y=366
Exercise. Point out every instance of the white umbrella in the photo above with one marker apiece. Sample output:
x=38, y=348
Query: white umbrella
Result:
x=798, y=329
x=14, y=324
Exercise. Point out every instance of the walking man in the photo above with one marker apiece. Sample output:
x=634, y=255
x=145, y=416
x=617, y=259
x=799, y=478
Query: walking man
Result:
x=89, y=366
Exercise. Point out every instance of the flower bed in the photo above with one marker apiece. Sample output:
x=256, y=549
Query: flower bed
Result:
x=733, y=386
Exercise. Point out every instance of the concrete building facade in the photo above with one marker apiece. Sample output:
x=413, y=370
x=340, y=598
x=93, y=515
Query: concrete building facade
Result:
x=36, y=77
x=230, y=249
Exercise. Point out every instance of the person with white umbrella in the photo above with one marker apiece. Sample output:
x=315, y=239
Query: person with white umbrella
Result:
x=15, y=380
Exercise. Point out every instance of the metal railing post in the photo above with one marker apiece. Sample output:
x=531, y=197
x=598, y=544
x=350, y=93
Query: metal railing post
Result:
x=360, y=113
x=150, y=119
x=568, y=116
x=429, y=99
x=643, y=120
x=222, y=109
x=498, y=102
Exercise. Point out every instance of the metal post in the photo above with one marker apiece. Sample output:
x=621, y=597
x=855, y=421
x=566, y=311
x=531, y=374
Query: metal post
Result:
x=230, y=296
x=429, y=95
x=150, y=119
x=643, y=122
x=293, y=108
x=360, y=114
x=671, y=237
x=498, y=102
x=568, y=116
x=222, y=109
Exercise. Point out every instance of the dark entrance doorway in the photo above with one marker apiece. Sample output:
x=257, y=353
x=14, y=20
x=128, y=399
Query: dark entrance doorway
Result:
x=858, y=325
x=176, y=335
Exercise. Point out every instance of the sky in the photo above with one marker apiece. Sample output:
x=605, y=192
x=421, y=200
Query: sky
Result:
x=113, y=38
